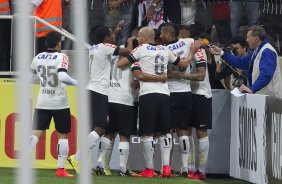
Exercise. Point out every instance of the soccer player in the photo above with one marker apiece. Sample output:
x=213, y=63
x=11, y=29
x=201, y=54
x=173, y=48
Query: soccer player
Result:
x=180, y=91
x=151, y=59
x=51, y=67
x=99, y=83
x=201, y=114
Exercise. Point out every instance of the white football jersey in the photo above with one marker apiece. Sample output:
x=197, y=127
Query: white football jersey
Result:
x=181, y=48
x=52, y=93
x=100, y=67
x=201, y=87
x=120, y=80
x=158, y=16
x=152, y=59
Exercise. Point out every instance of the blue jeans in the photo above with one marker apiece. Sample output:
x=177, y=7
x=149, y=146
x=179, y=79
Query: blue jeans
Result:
x=112, y=17
x=251, y=8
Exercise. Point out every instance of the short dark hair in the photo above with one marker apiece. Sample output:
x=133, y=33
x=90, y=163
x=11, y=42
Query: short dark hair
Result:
x=169, y=27
x=204, y=35
x=239, y=40
x=98, y=34
x=52, y=39
x=258, y=31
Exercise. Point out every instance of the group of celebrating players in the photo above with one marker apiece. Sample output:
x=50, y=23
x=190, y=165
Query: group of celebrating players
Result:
x=166, y=85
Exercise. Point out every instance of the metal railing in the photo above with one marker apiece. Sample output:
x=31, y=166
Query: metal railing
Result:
x=63, y=32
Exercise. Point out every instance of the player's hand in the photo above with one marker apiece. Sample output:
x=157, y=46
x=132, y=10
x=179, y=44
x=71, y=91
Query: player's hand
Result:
x=215, y=50
x=245, y=89
x=114, y=4
x=150, y=13
x=195, y=46
x=135, y=84
x=173, y=75
x=118, y=26
x=162, y=78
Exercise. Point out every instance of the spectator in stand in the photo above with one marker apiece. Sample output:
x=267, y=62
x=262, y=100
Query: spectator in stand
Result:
x=95, y=13
x=264, y=75
x=51, y=12
x=5, y=36
x=115, y=11
x=224, y=70
x=148, y=13
x=237, y=8
x=188, y=11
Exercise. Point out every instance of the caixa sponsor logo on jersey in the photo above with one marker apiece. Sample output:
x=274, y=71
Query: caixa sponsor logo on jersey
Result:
x=151, y=47
x=176, y=45
x=47, y=56
x=247, y=138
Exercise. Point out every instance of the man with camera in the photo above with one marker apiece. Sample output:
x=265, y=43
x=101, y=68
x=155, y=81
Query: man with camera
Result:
x=264, y=75
x=238, y=47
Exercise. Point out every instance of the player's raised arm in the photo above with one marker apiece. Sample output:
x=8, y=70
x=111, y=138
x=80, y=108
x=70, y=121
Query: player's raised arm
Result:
x=195, y=50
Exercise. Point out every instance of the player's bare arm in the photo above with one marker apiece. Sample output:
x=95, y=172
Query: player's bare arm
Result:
x=199, y=75
x=144, y=77
x=124, y=51
x=123, y=62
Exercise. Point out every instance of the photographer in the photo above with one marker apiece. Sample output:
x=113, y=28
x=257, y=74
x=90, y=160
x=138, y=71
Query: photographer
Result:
x=264, y=75
x=238, y=47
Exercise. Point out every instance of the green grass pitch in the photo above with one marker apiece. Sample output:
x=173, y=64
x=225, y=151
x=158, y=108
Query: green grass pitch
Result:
x=46, y=176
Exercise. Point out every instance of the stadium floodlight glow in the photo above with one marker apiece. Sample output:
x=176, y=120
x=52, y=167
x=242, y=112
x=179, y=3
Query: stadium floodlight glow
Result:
x=23, y=51
x=81, y=66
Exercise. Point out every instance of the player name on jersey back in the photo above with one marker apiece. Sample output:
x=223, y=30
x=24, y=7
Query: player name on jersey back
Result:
x=52, y=93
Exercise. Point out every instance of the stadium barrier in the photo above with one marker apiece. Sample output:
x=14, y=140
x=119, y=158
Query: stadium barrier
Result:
x=45, y=155
x=256, y=139
x=250, y=133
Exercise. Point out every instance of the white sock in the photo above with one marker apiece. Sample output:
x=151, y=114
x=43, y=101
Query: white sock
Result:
x=184, y=149
x=92, y=139
x=169, y=136
x=103, y=148
x=165, y=149
x=148, y=151
x=63, y=151
x=203, y=153
x=191, y=155
x=33, y=140
x=123, y=148
x=109, y=153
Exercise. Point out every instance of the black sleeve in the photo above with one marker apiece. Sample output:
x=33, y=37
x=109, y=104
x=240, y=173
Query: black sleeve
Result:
x=201, y=64
x=116, y=52
x=131, y=58
x=135, y=68
x=176, y=61
x=62, y=70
